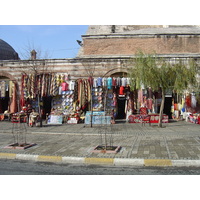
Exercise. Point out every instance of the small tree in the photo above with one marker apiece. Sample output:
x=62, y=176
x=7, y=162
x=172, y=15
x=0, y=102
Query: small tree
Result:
x=152, y=71
x=90, y=66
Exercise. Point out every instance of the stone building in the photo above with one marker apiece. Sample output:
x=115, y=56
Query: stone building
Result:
x=104, y=50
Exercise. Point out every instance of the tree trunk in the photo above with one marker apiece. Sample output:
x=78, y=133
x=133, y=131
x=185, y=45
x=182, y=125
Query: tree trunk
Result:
x=161, y=109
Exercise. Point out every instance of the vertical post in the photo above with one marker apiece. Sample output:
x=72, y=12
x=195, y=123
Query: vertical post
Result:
x=91, y=102
x=161, y=109
x=91, y=107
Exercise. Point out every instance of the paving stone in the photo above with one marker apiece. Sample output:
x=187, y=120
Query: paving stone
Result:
x=177, y=140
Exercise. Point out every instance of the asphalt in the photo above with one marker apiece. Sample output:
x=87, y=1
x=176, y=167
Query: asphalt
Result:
x=176, y=144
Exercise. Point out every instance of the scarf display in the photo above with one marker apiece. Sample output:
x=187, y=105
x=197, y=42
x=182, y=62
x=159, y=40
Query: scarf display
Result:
x=82, y=93
x=2, y=89
x=43, y=84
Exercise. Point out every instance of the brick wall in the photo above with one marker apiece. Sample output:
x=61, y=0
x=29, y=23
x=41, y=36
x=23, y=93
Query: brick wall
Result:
x=161, y=44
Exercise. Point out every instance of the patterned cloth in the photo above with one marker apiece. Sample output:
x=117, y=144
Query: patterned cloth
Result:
x=2, y=88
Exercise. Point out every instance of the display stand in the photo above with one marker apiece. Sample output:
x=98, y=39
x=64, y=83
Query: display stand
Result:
x=98, y=117
x=55, y=119
x=19, y=132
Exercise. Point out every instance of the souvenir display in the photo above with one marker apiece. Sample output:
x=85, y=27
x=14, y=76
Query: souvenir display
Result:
x=112, y=95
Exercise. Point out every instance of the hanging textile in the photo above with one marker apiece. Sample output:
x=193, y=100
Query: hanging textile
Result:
x=118, y=81
x=32, y=78
x=25, y=87
x=121, y=90
x=80, y=92
x=109, y=83
x=62, y=78
x=150, y=104
x=22, y=101
x=140, y=96
x=64, y=86
x=114, y=81
x=72, y=85
x=129, y=108
x=76, y=91
x=99, y=81
x=95, y=82
x=123, y=82
x=84, y=94
x=104, y=82
x=188, y=101
x=43, y=85
x=49, y=85
x=39, y=84
x=13, y=105
x=52, y=85
x=89, y=95
x=2, y=89
x=29, y=86
x=90, y=79
x=149, y=93
x=193, y=101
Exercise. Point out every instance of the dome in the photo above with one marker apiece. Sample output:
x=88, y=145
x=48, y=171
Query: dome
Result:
x=7, y=52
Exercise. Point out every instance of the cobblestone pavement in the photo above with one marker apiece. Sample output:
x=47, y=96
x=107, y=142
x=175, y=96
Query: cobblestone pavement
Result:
x=177, y=140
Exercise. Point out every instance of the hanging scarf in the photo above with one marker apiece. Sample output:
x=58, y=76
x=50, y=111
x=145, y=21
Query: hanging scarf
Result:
x=55, y=86
x=76, y=91
x=43, y=85
x=22, y=101
x=52, y=85
x=13, y=105
x=140, y=96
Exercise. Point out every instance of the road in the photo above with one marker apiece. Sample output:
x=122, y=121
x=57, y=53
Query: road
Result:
x=16, y=167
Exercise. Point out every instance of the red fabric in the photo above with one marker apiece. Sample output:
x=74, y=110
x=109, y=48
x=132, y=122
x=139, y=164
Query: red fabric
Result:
x=131, y=119
x=188, y=101
x=121, y=90
x=64, y=86
x=13, y=105
x=145, y=118
x=1, y=117
x=198, y=120
x=175, y=106
x=149, y=103
x=143, y=111
x=90, y=79
x=114, y=82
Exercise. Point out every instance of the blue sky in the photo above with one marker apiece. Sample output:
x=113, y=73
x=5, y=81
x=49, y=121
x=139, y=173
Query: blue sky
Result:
x=54, y=41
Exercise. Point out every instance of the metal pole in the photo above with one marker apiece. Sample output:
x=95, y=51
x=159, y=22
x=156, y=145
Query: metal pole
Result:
x=91, y=106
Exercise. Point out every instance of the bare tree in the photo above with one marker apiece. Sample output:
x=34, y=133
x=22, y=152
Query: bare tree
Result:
x=41, y=54
x=35, y=68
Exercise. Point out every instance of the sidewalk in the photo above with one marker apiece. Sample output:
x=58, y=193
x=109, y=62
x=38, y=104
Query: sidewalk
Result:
x=178, y=144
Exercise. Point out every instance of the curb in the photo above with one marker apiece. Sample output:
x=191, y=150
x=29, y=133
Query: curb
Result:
x=103, y=161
